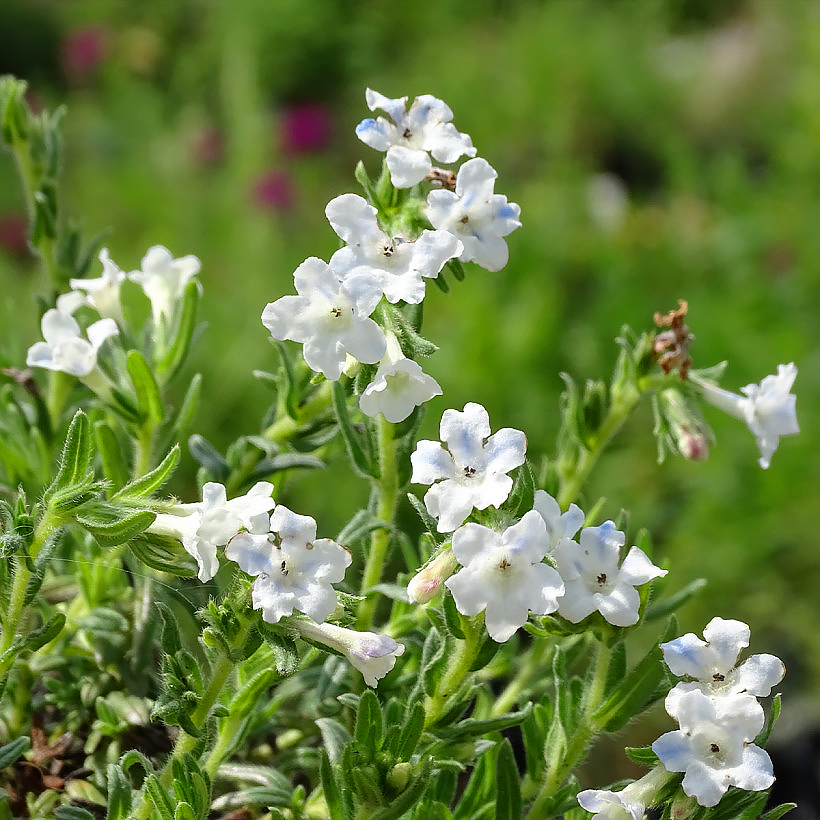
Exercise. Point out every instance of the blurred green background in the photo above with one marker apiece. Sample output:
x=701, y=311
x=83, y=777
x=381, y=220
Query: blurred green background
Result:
x=658, y=150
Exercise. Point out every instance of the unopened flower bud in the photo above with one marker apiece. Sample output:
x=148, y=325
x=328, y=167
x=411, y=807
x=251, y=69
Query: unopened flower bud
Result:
x=686, y=430
x=399, y=776
x=426, y=584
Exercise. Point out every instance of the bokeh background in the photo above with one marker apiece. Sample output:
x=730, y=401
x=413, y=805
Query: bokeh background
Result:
x=658, y=150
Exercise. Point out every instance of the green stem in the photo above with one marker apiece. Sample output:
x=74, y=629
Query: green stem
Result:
x=619, y=412
x=31, y=183
x=185, y=742
x=16, y=603
x=561, y=764
x=530, y=670
x=457, y=670
x=388, y=489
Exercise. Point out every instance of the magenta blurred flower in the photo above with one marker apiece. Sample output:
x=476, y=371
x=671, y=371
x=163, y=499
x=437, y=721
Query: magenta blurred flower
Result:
x=273, y=191
x=83, y=50
x=14, y=234
x=305, y=128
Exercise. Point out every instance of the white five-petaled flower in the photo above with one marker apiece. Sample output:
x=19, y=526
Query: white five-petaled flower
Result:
x=103, y=294
x=293, y=569
x=426, y=126
x=400, y=264
x=711, y=663
x=768, y=408
x=476, y=215
x=714, y=746
x=503, y=574
x=372, y=654
x=399, y=386
x=559, y=525
x=163, y=279
x=329, y=317
x=594, y=581
x=205, y=525
x=628, y=804
x=473, y=467
x=66, y=350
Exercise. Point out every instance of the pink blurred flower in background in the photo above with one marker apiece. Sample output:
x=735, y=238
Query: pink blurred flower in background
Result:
x=305, y=128
x=83, y=50
x=14, y=235
x=273, y=191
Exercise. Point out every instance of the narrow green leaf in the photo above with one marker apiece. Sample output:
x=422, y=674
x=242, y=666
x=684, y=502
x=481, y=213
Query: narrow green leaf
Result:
x=369, y=731
x=11, y=752
x=642, y=755
x=452, y=617
x=330, y=787
x=478, y=790
x=170, y=639
x=149, y=483
x=159, y=797
x=666, y=606
x=411, y=732
x=357, y=444
x=285, y=651
x=508, y=784
x=778, y=811
x=334, y=736
x=474, y=728
x=145, y=384
x=774, y=713
x=39, y=637
x=205, y=453
x=119, y=793
x=75, y=460
x=110, y=453
x=163, y=553
x=175, y=357
x=111, y=526
x=72, y=813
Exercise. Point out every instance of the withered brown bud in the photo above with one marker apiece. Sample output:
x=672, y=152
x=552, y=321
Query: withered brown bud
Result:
x=446, y=179
x=671, y=347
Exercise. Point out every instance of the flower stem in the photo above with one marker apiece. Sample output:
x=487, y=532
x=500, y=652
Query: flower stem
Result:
x=388, y=489
x=572, y=480
x=185, y=742
x=564, y=760
x=457, y=670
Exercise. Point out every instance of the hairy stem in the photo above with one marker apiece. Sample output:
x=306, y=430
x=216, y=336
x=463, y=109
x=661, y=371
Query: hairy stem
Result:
x=388, y=488
x=562, y=763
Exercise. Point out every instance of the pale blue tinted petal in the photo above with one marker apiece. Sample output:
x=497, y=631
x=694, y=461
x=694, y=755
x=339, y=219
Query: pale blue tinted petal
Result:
x=759, y=673
x=430, y=462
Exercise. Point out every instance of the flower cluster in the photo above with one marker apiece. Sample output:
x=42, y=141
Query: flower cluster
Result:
x=718, y=716
x=503, y=573
x=163, y=280
x=718, y=712
x=292, y=569
x=334, y=314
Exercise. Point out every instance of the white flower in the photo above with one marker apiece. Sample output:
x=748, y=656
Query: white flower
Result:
x=103, y=294
x=594, y=581
x=712, y=663
x=294, y=569
x=163, y=279
x=628, y=804
x=426, y=126
x=399, y=386
x=559, y=525
x=477, y=216
x=768, y=408
x=211, y=523
x=504, y=574
x=65, y=349
x=373, y=655
x=474, y=466
x=400, y=264
x=713, y=746
x=329, y=317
